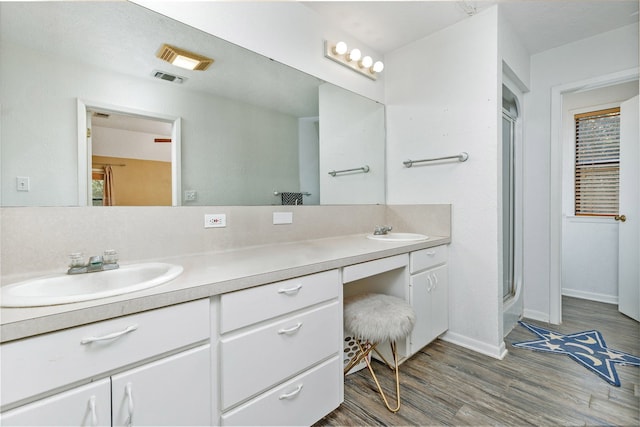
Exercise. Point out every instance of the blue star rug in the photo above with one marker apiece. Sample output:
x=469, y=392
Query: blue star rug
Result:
x=587, y=348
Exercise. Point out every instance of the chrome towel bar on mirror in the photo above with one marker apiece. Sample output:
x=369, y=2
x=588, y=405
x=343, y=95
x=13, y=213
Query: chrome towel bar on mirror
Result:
x=462, y=157
x=363, y=169
x=304, y=193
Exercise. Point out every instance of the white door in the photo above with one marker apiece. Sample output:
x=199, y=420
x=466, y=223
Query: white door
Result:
x=88, y=405
x=174, y=391
x=629, y=229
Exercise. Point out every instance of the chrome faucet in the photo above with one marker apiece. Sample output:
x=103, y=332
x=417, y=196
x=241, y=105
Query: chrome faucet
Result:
x=108, y=261
x=95, y=264
x=382, y=229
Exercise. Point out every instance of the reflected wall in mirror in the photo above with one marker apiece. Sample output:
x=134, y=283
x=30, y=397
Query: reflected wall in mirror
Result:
x=131, y=159
x=251, y=128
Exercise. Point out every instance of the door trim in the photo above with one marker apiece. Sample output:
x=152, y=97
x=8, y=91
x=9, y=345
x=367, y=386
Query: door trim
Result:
x=555, y=179
x=84, y=151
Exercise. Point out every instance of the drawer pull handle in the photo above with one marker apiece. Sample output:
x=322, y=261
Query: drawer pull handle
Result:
x=112, y=336
x=431, y=253
x=290, y=330
x=292, y=394
x=290, y=291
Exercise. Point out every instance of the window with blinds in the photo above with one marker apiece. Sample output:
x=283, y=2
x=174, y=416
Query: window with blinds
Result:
x=597, y=172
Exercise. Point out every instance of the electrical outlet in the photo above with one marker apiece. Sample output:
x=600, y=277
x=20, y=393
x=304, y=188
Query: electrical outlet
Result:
x=215, y=220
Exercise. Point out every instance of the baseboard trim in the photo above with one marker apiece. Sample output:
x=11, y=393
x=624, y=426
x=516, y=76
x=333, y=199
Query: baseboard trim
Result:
x=591, y=296
x=536, y=315
x=497, y=352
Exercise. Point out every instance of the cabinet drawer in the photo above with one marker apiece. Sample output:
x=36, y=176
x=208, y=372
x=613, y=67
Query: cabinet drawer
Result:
x=249, y=306
x=427, y=258
x=37, y=365
x=254, y=361
x=355, y=272
x=300, y=401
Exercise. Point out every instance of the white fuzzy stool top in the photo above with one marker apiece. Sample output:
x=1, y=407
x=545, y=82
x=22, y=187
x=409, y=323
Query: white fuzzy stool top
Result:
x=378, y=317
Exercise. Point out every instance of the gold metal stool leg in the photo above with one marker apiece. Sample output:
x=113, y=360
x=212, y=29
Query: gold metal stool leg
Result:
x=364, y=352
x=367, y=350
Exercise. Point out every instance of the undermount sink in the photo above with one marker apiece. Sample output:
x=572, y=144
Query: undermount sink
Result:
x=68, y=288
x=398, y=237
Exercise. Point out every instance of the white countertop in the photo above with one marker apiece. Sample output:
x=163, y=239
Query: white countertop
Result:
x=211, y=274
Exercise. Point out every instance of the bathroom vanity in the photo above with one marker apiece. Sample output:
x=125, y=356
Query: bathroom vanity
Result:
x=245, y=337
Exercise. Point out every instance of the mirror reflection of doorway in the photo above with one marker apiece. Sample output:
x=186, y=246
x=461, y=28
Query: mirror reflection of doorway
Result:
x=130, y=160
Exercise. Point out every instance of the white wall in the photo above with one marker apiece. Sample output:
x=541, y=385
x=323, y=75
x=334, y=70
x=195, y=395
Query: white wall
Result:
x=351, y=136
x=288, y=32
x=516, y=64
x=516, y=70
x=443, y=97
x=589, y=245
x=309, y=155
x=264, y=152
x=616, y=51
x=128, y=144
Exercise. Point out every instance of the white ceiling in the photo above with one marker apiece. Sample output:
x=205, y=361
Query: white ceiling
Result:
x=120, y=35
x=541, y=24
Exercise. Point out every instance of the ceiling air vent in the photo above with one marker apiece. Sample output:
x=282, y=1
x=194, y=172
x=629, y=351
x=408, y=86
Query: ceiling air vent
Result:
x=168, y=77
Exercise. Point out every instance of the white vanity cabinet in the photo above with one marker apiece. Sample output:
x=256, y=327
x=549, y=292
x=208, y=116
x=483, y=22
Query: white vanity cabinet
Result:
x=280, y=352
x=88, y=405
x=151, y=368
x=429, y=295
x=174, y=391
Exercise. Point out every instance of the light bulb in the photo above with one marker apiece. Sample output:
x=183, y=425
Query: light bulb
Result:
x=377, y=67
x=366, y=62
x=355, y=55
x=340, y=48
x=185, y=62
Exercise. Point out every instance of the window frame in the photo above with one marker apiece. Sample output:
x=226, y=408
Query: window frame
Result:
x=591, y=163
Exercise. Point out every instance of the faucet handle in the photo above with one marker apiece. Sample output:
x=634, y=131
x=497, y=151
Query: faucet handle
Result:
x=76, y=260
x=110, y=256
x=382, y=229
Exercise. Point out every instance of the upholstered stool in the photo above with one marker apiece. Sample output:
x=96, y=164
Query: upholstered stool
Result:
x=373, y=319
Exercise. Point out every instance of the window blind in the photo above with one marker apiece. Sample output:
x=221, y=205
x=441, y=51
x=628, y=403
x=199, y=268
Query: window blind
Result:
x=597, y=167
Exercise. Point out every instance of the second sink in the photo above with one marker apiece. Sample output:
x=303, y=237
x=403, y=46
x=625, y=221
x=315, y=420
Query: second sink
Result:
x=64, y=288
x=398, y=237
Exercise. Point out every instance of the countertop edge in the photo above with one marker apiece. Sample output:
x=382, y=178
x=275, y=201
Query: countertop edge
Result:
x=71, y=315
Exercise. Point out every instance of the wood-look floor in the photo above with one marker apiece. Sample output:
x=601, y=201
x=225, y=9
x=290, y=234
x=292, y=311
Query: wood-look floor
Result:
x=445, y=384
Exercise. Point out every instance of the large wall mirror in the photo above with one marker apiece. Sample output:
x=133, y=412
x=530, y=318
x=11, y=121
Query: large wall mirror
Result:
x=91, y=116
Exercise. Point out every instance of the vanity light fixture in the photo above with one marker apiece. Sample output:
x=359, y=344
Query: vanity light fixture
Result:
x=183, y=58
x=353, y=58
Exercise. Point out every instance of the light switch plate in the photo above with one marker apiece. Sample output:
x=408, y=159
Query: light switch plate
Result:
x=282, y=218
x=22, y=183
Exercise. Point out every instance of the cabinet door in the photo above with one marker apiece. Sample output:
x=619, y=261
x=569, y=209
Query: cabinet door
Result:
x=172, y=391
x=88, y=405
x=420, y=300
x=439, y=301
x=429, y=297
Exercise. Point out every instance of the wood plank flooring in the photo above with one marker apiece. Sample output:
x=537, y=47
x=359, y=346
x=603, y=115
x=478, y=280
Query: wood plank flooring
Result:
x=445, y=384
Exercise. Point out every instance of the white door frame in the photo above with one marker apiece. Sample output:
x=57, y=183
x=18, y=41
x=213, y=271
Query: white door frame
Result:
x=555, y=181
x=84, y=151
